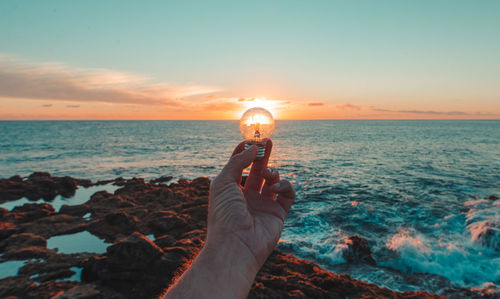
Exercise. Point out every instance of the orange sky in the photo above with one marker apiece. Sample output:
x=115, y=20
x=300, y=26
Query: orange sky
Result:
x=45, y=91
x=226, y=108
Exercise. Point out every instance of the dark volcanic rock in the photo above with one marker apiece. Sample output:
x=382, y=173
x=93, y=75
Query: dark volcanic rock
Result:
x=77, y=210
x=134, y=252
x=17, y=241
x=83, y=291
x=7, y=229
x=54, y=225
x=162, y=179
x=32, y=211
x=125, y=260
x=358, y=251
x=37, y=185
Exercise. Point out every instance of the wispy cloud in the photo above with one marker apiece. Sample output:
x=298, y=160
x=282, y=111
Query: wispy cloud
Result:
x=432, y=112
x=246, y=99
x=56, y=81
x=47, y=105
x=316, y=104
x=348, y=107
x=72, y=106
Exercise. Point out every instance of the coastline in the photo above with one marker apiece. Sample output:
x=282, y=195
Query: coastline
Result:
x=136, y=264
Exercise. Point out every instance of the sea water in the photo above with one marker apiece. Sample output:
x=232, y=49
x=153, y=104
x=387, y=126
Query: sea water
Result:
x=414, y=190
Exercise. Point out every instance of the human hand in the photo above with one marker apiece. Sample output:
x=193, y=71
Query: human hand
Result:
x=244, y=225
x=251, y=216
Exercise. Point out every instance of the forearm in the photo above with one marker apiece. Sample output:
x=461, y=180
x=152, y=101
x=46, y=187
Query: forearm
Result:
x=221, y=270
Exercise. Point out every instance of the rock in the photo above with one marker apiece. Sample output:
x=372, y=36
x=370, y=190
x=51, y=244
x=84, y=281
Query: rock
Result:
x=32, y=211
x=25, y=246
x=16, y=286
x=133, y=252
x=164, y=222
x=165, y=241
x=121, y=219
x=84, y=183
x=16, y=178
x=113, y=225
x=358, y=251
x=18, y=241
x=487, y=233
x=492, y=197
x=56, y=224
x=134, y=265
x=37, y=185
x=7, y=229
x=84, y=291
x=162, y=179
x=77, y=210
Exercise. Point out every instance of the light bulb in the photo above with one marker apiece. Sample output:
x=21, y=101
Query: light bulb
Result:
x=257, y=126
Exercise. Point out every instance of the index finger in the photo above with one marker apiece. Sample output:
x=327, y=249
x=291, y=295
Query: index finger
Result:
x=254, y=180
x=238, y=149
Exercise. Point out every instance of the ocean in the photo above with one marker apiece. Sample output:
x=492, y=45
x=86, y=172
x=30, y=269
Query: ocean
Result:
x=415, y=190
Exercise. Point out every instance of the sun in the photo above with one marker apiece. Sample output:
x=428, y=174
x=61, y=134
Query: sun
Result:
x=269, y=105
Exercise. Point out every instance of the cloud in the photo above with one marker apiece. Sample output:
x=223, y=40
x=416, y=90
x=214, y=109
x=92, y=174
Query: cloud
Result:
x=348, y=107
x=47, y=105
x=220, y=106
x=246, y=99
x=316, y=104
x=56, y=81
x=73, y=106
x=425, y=112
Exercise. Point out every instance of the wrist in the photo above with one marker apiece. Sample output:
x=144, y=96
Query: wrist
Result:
x=222, y=269
x=232, y=262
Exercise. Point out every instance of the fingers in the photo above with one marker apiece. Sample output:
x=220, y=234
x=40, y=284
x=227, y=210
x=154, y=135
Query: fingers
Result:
x=239, y=148
x=255, y=179
x=240, y=160
x=271, y=177
x=286, y=194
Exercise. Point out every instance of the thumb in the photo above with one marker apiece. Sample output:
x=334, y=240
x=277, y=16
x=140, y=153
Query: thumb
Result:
x=233, y=169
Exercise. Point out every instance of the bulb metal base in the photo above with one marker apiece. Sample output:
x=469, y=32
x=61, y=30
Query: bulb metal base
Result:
x=261, y=148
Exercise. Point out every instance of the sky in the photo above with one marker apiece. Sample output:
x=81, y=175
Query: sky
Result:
x=214, y=59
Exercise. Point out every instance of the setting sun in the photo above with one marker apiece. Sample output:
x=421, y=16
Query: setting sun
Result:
x=257, y=119
x=269, y=105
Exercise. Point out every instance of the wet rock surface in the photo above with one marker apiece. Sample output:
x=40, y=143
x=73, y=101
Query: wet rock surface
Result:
x=38, y=185
x=134, y=265
x=358, y=251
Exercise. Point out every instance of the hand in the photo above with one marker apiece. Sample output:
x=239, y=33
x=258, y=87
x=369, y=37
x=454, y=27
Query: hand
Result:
x=244, y=225
x=252, y=216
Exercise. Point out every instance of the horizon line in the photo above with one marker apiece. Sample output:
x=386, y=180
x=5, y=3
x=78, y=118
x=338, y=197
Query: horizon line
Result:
x=298, y=119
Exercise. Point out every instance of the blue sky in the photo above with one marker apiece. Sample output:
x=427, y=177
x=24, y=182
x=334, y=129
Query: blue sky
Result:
x=383, y=57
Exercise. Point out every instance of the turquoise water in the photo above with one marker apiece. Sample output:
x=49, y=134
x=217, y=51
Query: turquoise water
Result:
x=79, y=242
x=413, y=189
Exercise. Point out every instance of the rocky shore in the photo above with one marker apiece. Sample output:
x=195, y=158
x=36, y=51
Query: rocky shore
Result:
x=135, y=265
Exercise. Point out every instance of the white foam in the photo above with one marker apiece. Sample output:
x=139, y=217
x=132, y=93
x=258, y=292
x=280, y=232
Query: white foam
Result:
x=483, y=222
x=457, y=258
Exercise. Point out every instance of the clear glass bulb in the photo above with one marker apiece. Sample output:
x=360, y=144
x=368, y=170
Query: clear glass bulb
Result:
x=256, y=126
